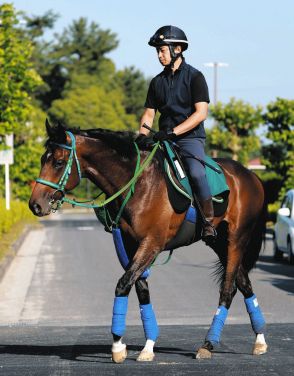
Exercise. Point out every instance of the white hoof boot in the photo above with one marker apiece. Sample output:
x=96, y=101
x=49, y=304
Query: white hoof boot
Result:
x=260, y=346
x=203, y=353
x=120, y=356
x=119, y=352
x=146, y=356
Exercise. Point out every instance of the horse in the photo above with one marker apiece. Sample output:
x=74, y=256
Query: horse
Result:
x=148, y=222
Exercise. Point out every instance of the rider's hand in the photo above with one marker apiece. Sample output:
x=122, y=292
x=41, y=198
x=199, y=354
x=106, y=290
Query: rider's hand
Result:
x=143, y=141
x=164, y=136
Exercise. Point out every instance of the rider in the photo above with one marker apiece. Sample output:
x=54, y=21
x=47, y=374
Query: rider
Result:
x=180, y=94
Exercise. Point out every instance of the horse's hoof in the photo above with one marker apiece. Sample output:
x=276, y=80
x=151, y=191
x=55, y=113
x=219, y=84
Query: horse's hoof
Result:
x=145, y=356
x=203, y=353
x=120, y=356
x=259, y=349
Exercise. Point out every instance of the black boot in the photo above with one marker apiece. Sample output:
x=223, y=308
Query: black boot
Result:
x=208, y=231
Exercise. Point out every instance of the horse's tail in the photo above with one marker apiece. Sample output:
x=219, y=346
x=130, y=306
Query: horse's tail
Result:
x=257, y=238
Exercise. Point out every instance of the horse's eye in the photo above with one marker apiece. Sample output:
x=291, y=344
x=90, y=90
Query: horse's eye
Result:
x=59, y=163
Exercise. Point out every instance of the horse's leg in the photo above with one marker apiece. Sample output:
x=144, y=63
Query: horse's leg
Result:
x=140, y=262
x=254, y=311
x=148, y=319
x=227, y=292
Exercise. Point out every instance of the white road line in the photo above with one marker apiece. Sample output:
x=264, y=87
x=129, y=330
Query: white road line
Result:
x=16, y=282
x=85, y=228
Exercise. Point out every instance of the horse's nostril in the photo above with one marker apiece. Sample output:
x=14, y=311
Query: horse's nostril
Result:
x=37, y=208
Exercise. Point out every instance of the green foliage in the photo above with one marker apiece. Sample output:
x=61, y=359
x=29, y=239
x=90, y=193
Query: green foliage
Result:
x=18, y=78
x=18, y=211
x=134, y=86
x=27, y=155
x=36, y=25
x=83, y=47
x=92, y=107
x=79, y=50
x=235, y=127
x=279, y=155
x=272, y=209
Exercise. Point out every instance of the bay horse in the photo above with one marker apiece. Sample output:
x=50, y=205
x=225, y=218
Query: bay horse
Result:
x=149, y=222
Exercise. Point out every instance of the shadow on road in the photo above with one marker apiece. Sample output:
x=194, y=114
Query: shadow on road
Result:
x=99, y=353
x=68, y=352
x=84, y=353
x=282, y=273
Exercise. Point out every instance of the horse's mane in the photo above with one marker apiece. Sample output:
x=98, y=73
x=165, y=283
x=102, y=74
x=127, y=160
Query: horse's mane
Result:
x=120, y=141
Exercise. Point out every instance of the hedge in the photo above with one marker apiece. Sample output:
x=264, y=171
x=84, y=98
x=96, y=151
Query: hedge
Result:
x=19, y=211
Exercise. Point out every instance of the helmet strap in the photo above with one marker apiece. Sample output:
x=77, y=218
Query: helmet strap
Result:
x=174, y=55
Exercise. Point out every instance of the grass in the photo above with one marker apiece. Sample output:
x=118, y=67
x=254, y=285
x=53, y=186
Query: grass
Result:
x=8, y=240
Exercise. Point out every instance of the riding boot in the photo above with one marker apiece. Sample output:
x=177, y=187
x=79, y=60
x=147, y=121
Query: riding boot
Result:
x=208, y=231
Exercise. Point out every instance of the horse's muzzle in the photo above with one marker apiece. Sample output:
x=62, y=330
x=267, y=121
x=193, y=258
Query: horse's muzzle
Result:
x=38, y=210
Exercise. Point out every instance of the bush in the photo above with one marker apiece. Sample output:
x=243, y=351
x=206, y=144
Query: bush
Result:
x=18, y=211
x=272, y=211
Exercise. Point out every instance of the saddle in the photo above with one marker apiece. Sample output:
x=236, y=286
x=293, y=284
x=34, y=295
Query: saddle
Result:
x=178, y=185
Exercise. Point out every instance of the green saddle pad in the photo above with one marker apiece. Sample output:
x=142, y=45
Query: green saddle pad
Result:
x=216, y=181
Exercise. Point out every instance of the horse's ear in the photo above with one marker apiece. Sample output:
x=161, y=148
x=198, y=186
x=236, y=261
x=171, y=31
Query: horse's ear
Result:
x=49, y=128
x=60, y=133
x=56, y=133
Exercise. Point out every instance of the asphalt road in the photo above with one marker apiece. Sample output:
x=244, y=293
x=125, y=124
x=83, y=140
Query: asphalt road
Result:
x=56, y=303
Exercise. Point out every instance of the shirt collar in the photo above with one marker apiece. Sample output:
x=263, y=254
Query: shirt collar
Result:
x=183, y=64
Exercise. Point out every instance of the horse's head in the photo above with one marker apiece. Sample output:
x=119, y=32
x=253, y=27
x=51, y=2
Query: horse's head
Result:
x=59, y=171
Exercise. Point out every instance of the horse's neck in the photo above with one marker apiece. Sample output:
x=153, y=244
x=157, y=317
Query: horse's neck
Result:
x=105, y=168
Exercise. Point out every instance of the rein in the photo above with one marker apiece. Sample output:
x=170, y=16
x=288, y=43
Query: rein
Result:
x=60, y=186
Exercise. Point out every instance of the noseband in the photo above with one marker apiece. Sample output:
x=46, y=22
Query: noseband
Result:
x=60, y=186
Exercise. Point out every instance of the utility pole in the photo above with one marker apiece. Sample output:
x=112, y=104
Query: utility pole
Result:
x=215, y=66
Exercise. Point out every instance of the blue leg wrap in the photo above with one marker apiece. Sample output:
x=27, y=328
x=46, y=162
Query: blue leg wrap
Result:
x=256, y=316
x=122, y=254
x=217, y=325
x=120, y=308
x=151, y=329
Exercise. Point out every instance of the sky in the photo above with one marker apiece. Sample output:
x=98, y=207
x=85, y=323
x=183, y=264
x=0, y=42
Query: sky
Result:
x=254, y=37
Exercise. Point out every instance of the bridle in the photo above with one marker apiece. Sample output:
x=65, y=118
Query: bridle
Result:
x=60, y=186
x=55, y=203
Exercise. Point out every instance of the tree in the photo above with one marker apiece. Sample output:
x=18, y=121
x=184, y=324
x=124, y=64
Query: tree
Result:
x=134, y=86
x=92, y=107
x=36, y=25
x=235, y=127
x=80, y=49
x=279, y=154
x=18, y=79
x=83, y=46
x=27, y=155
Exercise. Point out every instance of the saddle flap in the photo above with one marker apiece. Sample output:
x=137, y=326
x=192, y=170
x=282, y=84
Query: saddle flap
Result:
x=175, y=162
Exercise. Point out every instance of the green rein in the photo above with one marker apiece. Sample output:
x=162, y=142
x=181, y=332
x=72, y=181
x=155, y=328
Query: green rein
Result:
x=60, y=186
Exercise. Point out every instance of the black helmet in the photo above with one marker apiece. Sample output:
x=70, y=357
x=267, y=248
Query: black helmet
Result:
x=169, y=35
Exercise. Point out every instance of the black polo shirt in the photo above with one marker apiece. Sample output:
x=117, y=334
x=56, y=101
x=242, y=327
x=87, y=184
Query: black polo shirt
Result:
x=174, y=95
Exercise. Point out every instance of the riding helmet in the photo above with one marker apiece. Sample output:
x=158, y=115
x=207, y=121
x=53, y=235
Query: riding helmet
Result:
x=169, y=35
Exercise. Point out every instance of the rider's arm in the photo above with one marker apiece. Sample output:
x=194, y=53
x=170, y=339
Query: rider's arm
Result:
x=147, y=118
x=200, y=114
